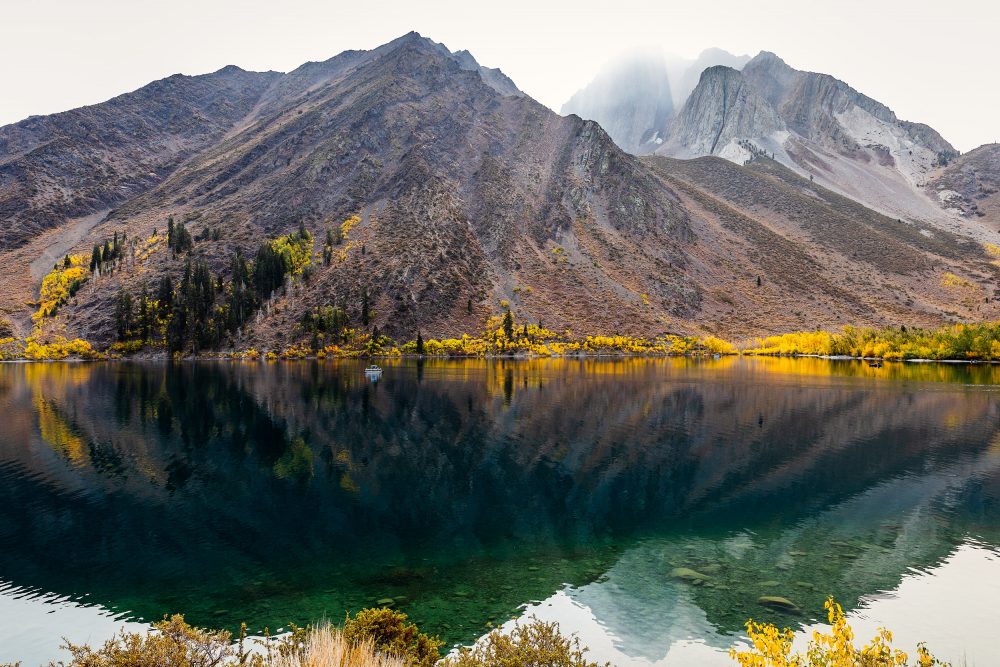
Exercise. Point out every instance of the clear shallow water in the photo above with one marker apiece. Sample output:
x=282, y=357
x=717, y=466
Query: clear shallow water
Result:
x=468, y=491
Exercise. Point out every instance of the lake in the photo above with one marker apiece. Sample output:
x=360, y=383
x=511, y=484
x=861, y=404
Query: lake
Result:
x=468, y=493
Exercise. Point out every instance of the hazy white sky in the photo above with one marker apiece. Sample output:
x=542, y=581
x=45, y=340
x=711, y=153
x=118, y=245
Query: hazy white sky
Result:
x=932, y=62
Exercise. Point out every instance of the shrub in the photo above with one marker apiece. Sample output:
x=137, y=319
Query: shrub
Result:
x=773, y=647
x=174, y=644
x=533, y=643
x=388, y=631
x=61, y=283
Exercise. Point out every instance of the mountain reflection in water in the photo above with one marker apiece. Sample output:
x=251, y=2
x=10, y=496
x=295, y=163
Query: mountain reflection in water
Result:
x=460, y=491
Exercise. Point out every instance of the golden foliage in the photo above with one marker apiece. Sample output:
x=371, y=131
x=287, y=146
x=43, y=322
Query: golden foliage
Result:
x=531, y=643
x=800, y=342
x=175, y=643
x=11, y=348
x=59, y=285
x=771, y=647
x=149, y=246
x=949, y=279
x=295, y=250
x=59, y=349
x=347, y=225
x=979, y=342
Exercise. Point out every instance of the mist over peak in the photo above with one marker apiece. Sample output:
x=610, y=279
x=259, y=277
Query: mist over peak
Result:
x=636, y=95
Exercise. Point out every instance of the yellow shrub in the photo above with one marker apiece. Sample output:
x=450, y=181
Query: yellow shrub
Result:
x=295, y=250
x=60, y=349
x=949, y=279
x=717, y=345
x=59, y=285
x=347, y=225
x=772, y=647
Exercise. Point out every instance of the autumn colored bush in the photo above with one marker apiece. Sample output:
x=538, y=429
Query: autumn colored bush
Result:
x=533, y=643
x=771, y=647
x=59, y=285
x=389, y=632
x=173, y=643
x=974, y=342
x=59, y=349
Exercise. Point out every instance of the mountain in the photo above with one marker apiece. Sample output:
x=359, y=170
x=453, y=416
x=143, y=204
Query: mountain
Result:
x=969, y=185
x=685, y=74
x=816, y=125
x=454, y=192
x=73, y=164
x=718, y=114
x=826, y=260
x=635, y=98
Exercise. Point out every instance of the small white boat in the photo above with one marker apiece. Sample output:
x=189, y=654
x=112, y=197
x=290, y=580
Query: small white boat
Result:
x=373, y=372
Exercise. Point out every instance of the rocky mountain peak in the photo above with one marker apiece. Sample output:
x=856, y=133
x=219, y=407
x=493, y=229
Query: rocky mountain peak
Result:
x=721, y=110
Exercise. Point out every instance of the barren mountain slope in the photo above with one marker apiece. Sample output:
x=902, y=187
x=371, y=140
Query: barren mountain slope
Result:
x=824, y=260
x=970, y=186
x=464, y=194
x=73, y=164
x=468, y=193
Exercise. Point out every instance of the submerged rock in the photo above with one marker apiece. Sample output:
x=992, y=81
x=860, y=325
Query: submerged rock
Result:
x=778, y=602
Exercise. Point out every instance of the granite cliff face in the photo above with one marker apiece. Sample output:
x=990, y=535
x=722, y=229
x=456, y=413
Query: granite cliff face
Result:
x=720, y=112
x=636, y=99
x=818, y=126
x=465, y=193
x=740, y=108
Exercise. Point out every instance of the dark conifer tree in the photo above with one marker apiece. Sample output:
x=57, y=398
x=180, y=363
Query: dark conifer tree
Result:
x=123, y=314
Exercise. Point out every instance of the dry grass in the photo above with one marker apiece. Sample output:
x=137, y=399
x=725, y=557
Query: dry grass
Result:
x=325, y=646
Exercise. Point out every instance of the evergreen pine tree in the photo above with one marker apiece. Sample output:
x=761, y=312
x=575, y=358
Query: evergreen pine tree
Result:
x=95, y=258
x=145, y=317
x=123, y=314
x=508, y=324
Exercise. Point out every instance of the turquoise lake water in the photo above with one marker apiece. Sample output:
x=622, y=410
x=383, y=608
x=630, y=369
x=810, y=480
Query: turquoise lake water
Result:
x=467, y=493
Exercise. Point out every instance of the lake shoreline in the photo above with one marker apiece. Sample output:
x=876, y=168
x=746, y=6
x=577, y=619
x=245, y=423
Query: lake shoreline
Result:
x=272, y=357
